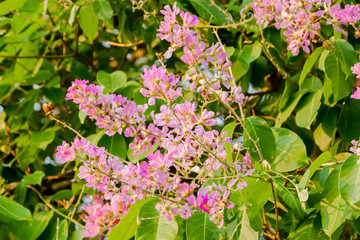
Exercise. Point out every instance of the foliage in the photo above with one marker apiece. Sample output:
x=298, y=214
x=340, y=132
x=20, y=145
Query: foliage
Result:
x=294, y=126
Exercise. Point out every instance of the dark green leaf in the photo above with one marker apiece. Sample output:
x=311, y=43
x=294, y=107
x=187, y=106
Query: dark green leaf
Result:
x=115, y=144
x=350, y=115
x=209, y=12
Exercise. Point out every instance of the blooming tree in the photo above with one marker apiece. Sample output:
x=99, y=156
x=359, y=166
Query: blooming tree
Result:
x=241, y=124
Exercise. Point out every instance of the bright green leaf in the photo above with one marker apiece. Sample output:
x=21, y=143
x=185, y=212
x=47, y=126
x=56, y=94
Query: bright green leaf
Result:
x=11, y=211
x=349, y=182
x=112, y=81
x=89, y=22
x=229, y=128
x=128, y=223
x=38, y=225
x=199, y=227
x=260, y=132
x=102, y=9
x=310, y=62
x=34, y=178
x=290, y=153
x=324, y=157
x=333, y=207
x=154, y=226
x=43, y=138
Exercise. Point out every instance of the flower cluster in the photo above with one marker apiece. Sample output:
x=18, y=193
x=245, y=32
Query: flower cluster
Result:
x=355, y=148
x=208, y=65
x=187, y=147
x=190, y=153
x=301, y=20
x=114, y=113
x=356, y=70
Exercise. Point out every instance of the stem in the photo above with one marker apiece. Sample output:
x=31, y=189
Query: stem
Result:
x=53, y=208
x=276, y=210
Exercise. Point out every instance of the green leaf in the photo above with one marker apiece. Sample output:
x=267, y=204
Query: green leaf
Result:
x=39, y=223
x=43, y=138
x=290, y=153
x=209, y=12
x=82, y=115
x=11, y=211
x=346, y=53
x=333, y=207
x=308, y=109
x=349, y=183
x=246, y=231
x=251, y=52
x=309, y=229
x=350, y=115
x=324, y=157
x=34, y=178
x=290, y=199
x=229, y=128
x=115, y=144
x=128, y=223
x=62, y=194
x=259, y=131
x=89, y=22
x=154, y=226
x=310, y=62
x=253, y=197
x=112, y=81
x=199, y=227
x=55, y=95
x=102, y=9
x=340, y=84
x=95, y=138
x=239, y=67
x=291, y=105
x=62, y=232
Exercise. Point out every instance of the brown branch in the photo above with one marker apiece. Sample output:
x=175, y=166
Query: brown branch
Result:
x=124, y=44
x=39, y=56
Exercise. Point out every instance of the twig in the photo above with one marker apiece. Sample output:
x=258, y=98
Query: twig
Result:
x=124, y=44
x=39, y=56
x=78, y=202
x=276, y=210
x=53, y=208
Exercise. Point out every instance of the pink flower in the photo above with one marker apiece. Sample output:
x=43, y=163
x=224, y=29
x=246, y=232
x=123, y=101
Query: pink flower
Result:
x=356, y=94
x=65, y=153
